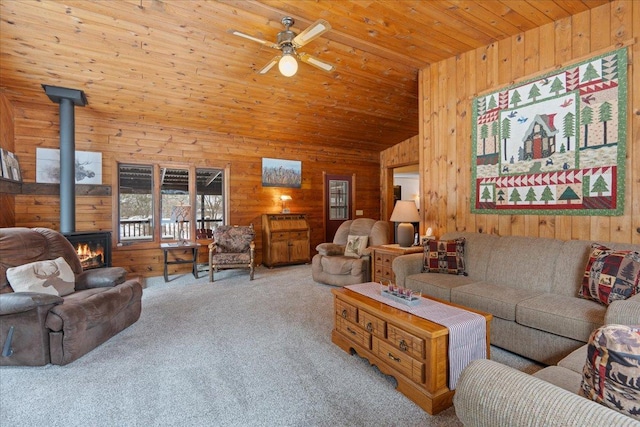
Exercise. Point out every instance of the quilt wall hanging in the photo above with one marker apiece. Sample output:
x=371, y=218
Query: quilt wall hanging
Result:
x=553, y=145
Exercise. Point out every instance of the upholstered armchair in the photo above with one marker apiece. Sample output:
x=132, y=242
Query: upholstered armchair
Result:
x=51, y=310
x=347, y=260
x=232, y=247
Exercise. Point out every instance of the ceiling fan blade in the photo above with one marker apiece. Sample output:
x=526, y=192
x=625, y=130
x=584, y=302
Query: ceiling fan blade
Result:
x=314, y=31
x=255, y=39
x=270, y=65
x=312, y=60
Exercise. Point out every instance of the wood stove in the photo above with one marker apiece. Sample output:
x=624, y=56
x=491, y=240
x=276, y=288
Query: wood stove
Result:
x=93, y=248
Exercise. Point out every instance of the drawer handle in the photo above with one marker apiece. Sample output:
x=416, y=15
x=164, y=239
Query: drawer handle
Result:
x=344, y=313
x=392, y=357
x=403, y=345
x=369, y=327
x=351, y=331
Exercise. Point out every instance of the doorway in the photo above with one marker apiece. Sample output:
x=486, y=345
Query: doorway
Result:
x=406, y=186
x=338, y=202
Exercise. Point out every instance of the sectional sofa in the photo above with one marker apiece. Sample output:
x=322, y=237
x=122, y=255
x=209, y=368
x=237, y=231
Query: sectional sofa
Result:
x=530, y=285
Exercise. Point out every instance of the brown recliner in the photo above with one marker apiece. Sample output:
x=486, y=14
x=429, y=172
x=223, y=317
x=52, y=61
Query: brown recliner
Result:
x=330, y=266
x=38, y=328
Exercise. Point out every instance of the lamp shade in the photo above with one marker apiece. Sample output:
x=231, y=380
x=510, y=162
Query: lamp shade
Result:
x=405, y=212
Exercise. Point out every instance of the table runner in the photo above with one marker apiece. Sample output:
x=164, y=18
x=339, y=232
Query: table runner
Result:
x=467, y=330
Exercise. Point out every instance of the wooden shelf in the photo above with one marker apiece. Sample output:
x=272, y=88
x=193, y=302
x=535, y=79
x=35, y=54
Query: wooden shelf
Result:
x=15, y=187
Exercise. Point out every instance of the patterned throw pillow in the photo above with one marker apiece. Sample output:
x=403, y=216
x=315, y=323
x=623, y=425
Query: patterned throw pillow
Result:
x=610, y=275
x=356, y=246
x=444, y=256
x=53, y=277
x=611, y=374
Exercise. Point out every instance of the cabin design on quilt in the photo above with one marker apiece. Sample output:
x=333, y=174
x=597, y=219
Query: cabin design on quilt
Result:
x=555, y=144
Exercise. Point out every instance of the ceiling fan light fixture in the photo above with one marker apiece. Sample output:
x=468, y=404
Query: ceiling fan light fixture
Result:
x=288, y=65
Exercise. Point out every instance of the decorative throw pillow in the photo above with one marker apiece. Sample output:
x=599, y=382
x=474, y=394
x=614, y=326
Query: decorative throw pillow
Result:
x=610, y=375
x=53, y=277
x=356, y=246
x=610, y=275
x=444, y=256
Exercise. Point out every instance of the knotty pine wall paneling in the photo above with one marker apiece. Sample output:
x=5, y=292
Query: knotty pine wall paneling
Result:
x=447, y=89
x=36, y=125
x=7, y=201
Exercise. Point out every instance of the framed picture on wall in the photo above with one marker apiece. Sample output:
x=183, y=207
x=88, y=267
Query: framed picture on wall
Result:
x=9, y=165
x=281, y=173
x=88, y=166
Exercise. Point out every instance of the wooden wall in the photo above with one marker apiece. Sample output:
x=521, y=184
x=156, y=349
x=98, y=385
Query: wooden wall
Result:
x=36, y=125
x=448, y=87
x=7, y=201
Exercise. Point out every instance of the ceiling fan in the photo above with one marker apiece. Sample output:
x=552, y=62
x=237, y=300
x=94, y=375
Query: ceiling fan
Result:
x=288, y=41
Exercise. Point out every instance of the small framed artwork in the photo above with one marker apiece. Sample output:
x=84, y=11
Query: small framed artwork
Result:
x=281, y=173
x=9, y=166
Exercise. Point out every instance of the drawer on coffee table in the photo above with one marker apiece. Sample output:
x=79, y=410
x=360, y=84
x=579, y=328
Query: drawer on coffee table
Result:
x=372, y=324
x=346, y=311
x=405, y=342
x=354, y=332
x=400, y=361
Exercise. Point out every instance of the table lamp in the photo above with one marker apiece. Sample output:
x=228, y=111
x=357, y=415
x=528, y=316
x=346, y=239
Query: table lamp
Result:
x=405, y=212
x=285, y=199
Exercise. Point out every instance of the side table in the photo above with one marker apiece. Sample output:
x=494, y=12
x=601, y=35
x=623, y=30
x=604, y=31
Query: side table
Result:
x=383, y=257
x=168, y=247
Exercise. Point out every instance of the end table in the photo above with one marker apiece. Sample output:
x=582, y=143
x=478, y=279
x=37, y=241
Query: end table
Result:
x=383, y=257
x=168, y=247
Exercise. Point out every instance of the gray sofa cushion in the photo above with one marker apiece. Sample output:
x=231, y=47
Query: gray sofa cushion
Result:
x=523, y=262
x=561, y=315
x=500, y=301
x=561, y=377
x=575, y=360
x=436, y=284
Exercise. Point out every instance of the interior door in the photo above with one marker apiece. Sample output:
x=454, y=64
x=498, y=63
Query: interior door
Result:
x=338, y=202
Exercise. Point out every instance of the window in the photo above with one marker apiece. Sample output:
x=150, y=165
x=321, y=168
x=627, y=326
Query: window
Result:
x=135, y=203
x=182, y=209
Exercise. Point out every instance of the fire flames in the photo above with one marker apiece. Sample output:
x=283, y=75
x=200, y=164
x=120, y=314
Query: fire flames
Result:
x=90, y=257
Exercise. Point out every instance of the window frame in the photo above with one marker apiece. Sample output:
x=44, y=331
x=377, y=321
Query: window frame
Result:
x=157, y=167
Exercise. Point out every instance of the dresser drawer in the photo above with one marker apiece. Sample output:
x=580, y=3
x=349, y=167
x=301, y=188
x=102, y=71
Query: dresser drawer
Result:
x=405, y=342
x=354, y=332
x=372, y=324
x=400, y=361
x=346, y=311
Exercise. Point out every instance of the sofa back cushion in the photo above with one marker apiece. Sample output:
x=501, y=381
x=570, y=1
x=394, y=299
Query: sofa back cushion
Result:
x=524, y=262
x=477, y=251
x=20, y=245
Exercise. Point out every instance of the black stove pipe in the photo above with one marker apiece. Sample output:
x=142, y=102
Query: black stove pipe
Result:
x=68, y=99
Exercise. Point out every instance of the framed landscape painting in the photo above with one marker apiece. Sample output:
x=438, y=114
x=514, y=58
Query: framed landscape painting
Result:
x=281, y=173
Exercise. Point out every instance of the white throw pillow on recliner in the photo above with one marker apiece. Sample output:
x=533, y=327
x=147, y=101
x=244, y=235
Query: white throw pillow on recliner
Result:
x=356, y=246
x=53, y=277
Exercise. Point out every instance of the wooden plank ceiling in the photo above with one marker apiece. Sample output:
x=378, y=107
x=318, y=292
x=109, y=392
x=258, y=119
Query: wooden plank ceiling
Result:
x=174, y=63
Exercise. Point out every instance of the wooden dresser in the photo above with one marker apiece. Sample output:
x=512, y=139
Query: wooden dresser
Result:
x=383, y=257
x=285, y=239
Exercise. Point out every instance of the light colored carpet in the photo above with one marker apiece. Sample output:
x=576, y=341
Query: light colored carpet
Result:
x=230, y=353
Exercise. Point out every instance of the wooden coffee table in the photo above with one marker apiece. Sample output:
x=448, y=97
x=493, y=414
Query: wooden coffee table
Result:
x=411, y=349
